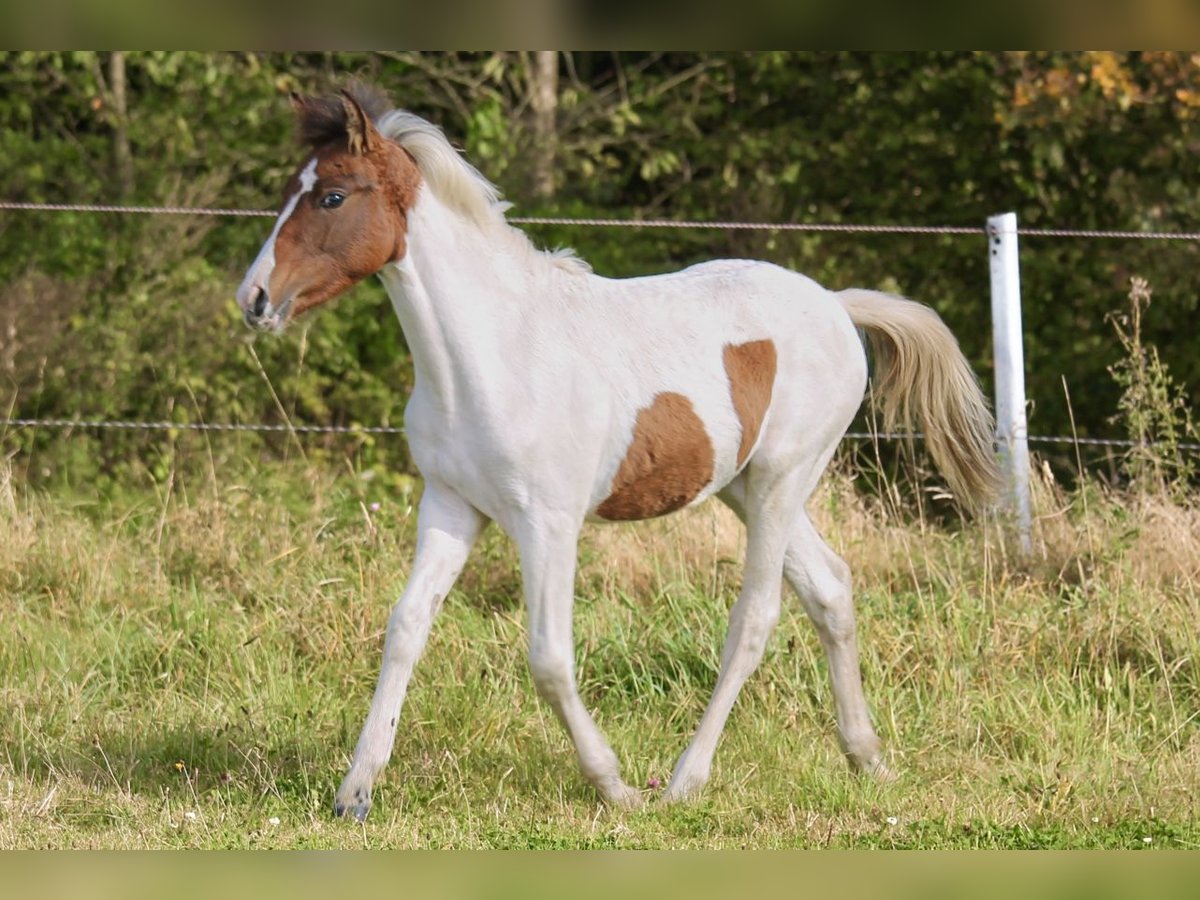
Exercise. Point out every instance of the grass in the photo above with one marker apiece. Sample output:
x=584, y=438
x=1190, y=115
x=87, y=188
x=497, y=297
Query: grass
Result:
x=192, y=671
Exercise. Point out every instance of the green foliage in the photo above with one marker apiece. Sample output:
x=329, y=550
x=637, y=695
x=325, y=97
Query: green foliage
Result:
x=1152, y=408
x=139, y=307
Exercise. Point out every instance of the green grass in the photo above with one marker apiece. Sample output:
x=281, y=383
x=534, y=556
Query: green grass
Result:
x=192, y=672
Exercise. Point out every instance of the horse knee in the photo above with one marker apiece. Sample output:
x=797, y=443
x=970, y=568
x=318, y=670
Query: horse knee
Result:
x=763, y=626
x=552, y=671
x=756, y=623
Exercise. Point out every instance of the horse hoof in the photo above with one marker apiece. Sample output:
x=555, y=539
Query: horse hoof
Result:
x=882, y=773
x=358, y=810
x=358, y=805
x=627, y=799
x=683, y=790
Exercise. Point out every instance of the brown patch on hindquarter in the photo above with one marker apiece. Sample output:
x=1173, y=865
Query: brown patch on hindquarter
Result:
x=668, y=463
x=751, y=369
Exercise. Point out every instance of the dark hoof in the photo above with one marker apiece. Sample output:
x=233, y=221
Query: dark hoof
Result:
x=359, y=808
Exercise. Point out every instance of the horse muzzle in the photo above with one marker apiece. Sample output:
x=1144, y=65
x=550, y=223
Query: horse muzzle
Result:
x=259, y=313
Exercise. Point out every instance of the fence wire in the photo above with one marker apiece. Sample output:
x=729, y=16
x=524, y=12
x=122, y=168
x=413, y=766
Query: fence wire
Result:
x=126, y=425
x=844, y=227
x=289, y=428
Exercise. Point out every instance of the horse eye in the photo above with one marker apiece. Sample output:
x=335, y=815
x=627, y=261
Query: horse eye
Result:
x=332, y=200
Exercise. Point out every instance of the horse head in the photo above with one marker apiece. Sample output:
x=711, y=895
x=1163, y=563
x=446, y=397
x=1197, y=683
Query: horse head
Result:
x=344, y=211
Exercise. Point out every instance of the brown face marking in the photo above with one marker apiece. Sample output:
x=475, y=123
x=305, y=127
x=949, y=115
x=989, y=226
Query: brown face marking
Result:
x=321, y=251
x=668, y=463
x=751, y=370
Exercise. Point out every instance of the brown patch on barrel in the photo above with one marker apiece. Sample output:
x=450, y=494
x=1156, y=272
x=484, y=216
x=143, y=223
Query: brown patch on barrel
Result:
x=751, y=369
x=668, y=463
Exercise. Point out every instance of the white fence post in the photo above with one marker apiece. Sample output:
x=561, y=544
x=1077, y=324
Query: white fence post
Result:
x=1012, y=431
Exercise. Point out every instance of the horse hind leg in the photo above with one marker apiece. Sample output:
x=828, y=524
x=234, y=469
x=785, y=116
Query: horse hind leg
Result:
x=751, y=622
x=822, y=581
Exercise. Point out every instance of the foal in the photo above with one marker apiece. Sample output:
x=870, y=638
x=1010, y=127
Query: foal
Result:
x=546, y=396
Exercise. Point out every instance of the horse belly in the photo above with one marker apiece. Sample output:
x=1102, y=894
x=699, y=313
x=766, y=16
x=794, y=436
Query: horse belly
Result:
x=668, y=464
x=686, y=446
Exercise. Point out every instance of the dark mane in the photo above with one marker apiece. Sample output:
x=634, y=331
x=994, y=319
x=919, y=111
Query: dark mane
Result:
x=323, y=119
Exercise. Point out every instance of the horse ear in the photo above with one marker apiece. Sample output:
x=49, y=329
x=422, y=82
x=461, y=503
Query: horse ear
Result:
x=298, y=102
x=360, y=130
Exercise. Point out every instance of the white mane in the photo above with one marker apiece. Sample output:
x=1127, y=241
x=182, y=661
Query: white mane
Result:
x=460, y=185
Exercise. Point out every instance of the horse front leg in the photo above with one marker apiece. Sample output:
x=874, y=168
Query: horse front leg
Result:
x=447, y=527
x=548, y=548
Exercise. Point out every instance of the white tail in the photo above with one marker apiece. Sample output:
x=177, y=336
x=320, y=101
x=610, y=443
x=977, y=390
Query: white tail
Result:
x=923, y=381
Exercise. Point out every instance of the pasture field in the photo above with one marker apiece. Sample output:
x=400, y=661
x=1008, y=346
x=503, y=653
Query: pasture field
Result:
x=192, y=671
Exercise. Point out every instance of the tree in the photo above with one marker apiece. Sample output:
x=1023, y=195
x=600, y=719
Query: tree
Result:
x=103, y=315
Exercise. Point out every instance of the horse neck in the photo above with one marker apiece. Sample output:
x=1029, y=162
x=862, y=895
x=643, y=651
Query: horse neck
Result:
x=458, y=295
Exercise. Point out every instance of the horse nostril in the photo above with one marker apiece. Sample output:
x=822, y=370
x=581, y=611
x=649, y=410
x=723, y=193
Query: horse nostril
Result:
x=260, y=303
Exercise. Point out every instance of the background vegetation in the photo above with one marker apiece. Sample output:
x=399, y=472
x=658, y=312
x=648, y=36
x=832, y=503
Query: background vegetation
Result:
x=132, y=317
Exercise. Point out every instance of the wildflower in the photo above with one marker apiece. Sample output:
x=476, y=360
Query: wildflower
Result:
x=653, y=783
x=273, y=821
x=1147, y=840
x=374, y=507
x=891, y=820
x=190, y=816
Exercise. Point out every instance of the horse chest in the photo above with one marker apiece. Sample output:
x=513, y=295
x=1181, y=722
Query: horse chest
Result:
x=500, y=463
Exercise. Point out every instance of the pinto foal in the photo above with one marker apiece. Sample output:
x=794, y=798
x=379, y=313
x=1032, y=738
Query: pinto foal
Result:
x=546, y=396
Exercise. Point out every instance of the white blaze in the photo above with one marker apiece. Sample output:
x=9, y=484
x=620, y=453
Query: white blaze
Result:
x=260, y=270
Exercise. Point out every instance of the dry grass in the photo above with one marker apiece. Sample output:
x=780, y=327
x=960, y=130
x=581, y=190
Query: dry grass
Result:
x=182, y=671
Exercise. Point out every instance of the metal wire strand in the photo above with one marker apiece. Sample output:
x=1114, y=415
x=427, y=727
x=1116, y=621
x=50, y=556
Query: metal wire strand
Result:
x=126, y=425
x=76, y=424
x=844, y=227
